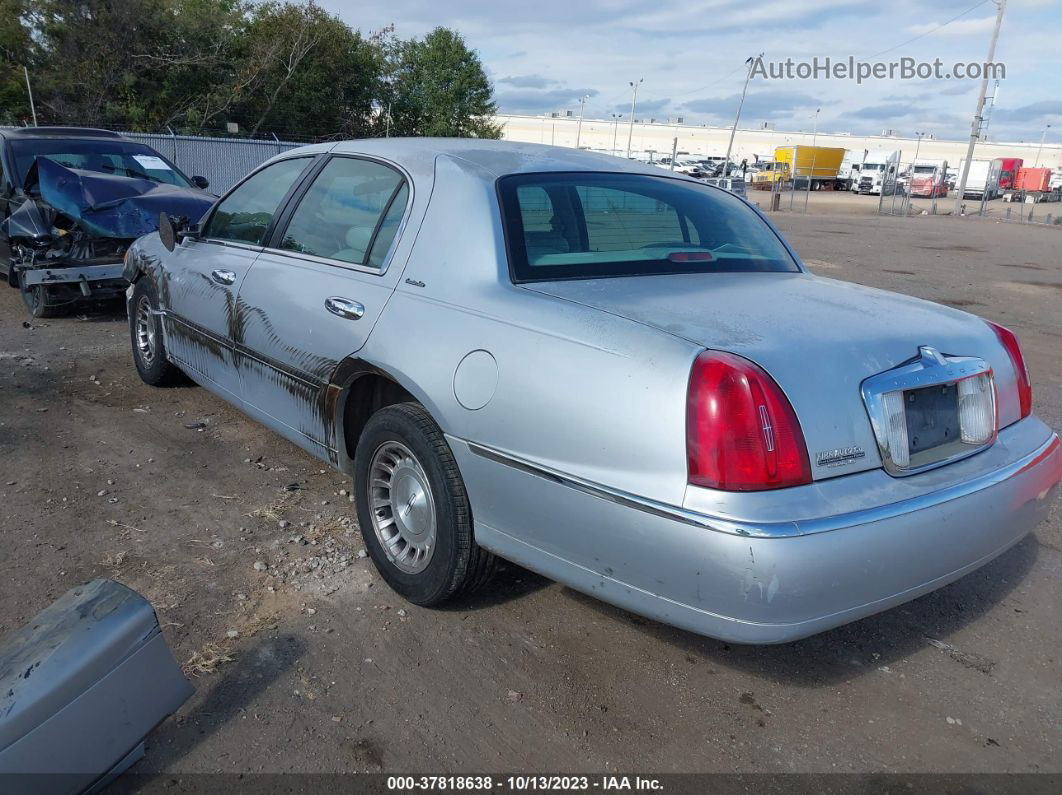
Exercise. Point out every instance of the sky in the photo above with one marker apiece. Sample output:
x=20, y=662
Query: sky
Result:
x=542, y=56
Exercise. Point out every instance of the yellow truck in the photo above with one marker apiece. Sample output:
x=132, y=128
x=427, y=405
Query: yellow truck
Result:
x=820, y=164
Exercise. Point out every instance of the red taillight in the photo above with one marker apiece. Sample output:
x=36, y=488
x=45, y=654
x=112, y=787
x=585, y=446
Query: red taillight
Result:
x=1021, y=373
x=741, y=432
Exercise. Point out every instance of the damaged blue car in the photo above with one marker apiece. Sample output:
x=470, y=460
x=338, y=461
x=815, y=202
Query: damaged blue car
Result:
x=72, y=200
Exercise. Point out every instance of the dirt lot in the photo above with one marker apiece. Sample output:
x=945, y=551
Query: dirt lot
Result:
x=314, y=665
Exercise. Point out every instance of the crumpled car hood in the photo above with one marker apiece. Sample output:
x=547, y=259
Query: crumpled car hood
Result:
x=108, y=205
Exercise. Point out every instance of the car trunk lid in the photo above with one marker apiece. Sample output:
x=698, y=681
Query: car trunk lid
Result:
x=818, y=338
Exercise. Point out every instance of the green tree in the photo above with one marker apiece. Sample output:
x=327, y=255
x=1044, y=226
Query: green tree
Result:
x=280, y=66
x=438, y=87
x=315, y=75
x=129, y=63
x=16, y=51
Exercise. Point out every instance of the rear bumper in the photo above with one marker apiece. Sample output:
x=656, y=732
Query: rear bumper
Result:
x=717, y=578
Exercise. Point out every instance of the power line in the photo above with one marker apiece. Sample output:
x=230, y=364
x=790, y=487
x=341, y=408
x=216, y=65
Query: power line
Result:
x=610, y=103
x=714, y=82
x=923, y=35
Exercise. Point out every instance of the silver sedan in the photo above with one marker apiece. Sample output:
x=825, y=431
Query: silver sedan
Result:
x=620, y=378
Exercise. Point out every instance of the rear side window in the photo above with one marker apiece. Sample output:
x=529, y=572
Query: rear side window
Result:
x=586, y=225
x=389, y=227
x=346, y=210
x=245, y=215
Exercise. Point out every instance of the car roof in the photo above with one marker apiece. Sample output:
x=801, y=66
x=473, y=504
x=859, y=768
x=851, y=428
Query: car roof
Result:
x=58, y=132
x=497, y=158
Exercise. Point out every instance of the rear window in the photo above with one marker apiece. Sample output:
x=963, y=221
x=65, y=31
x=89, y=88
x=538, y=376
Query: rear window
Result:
x=587, y=225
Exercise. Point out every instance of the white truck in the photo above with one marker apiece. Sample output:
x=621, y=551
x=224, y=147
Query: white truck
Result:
x=848, y=173
x=877, y=172
x=983, y=180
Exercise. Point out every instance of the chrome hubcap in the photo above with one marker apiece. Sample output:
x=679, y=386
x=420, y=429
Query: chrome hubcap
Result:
x=403, y=508
x=145, y=331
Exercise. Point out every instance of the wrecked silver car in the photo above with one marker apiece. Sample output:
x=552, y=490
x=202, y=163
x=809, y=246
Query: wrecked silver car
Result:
x=71, y=202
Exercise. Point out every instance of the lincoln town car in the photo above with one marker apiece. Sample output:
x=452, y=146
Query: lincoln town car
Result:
x=621, y=378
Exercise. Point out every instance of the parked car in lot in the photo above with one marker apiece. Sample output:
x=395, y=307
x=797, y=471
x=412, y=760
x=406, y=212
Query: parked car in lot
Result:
x=623, y=379
x=72, y=199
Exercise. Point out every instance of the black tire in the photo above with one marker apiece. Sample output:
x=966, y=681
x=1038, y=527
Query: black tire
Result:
x=149, y=354
x=457, y=564
x=40, y=301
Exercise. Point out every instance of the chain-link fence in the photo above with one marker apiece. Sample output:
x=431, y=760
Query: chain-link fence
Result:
x=223, y=161
x=928, y=187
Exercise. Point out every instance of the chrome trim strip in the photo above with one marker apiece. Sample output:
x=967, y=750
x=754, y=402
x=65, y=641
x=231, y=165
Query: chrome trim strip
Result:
x=801, y=527
x=217, y=241
x=318, y=260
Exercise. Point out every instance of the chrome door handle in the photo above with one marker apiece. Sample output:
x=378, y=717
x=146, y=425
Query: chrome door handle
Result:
x=344, y=307
x=223, y=277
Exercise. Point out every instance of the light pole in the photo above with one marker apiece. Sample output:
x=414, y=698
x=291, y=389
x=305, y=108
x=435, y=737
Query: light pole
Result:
x=615, y=130
x=634, y=104
x=733, y=130
x=918, y=145
x=1043, y=137
x=814, y=158
x=579, y=128
x=911, y=175
x=975, y=125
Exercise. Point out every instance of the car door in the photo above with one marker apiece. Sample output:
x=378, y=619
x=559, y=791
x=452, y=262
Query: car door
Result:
x=204, y=273
x=314, y=295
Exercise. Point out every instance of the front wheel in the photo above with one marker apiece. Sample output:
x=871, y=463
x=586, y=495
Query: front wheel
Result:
x=145, y=332
x=40, y=301
x=413, y=510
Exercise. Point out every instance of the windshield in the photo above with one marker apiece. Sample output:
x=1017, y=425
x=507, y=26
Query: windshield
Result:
x=925, y=169
x=873, y=167
x=107, y=156
x=588, y=225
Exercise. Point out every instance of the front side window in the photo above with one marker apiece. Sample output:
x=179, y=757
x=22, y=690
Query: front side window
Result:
x=346, y=214
x=245, y=215
x=593, y=225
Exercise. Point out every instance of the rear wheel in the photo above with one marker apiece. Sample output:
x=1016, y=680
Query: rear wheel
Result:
x=41, y=301
x=413, y=509
x=145, y=331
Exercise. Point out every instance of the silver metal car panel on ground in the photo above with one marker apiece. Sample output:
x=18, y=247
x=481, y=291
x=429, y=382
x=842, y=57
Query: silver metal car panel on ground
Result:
x=80, y=687
x=569, y=428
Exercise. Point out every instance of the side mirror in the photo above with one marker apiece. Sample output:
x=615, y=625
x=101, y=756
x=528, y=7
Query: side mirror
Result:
x=167, y=231
x=174, y=230
x=201, y=182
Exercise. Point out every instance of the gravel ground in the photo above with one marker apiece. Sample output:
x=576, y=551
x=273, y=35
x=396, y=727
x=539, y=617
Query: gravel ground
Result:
x=303, y=660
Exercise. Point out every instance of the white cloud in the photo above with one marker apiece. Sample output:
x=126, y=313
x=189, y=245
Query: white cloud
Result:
x=960, y=27
x=544, y=55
